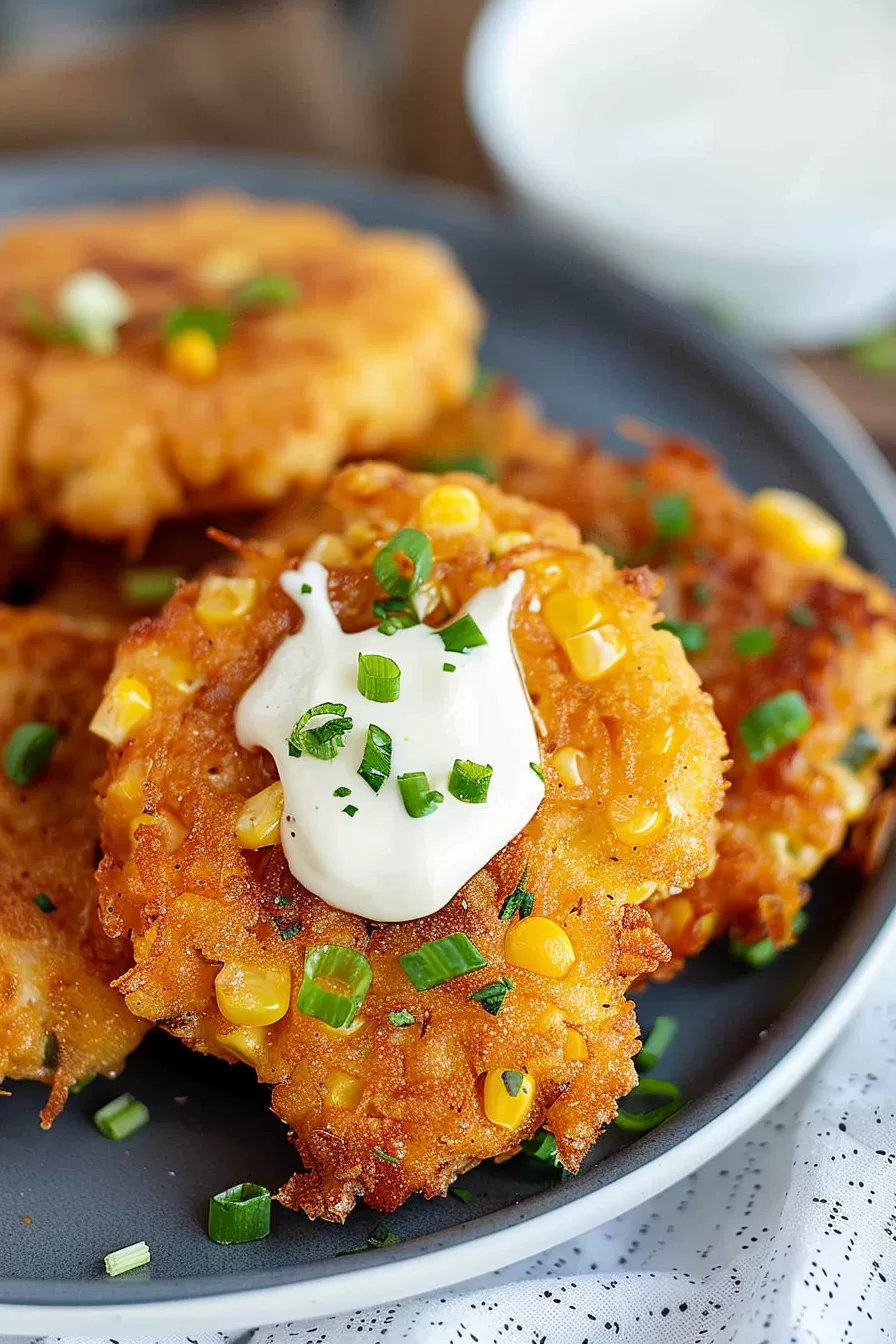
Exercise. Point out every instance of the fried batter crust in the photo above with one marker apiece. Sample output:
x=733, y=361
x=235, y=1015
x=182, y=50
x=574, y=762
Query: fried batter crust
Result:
x=55, y=968
x=382, y=337
x=207, y=901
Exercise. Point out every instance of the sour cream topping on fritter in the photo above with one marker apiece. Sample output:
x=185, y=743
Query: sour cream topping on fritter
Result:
x=401, y=778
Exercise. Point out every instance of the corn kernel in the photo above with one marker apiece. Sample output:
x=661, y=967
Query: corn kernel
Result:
x=126, y=790
x=853, y=792
x=192, y=354
x=180, y=674
x=258, y=825
x=797, y=526
x=222, y=601
x=632, y=821
x=175, y=833
x=567, y=613
x=667, y=738
x=548, y=1020
x=571, y=765
x=540, y=945
x=548, y=575
x=143, y=944
x=642, y=892
x=227, y=267
x=508, y=1096
x=452, y=508
x=594, y=652
x=343, y=1090
x=674, y=916
x=245, y=1043
x=124, y=707
x=252, y=996
x=576, y=1047
x=329, y=550
x=508, y=541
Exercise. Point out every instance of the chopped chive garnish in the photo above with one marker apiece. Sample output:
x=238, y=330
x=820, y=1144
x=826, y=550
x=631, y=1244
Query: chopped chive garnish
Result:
x=461, y=1192
x=306, y=588
x=800, y=615
x=701, y=593
x=387, y=606
x=449, y=667
x=283, y=900
x=469, y=782
x=376, y=763
x=640, y=1122
x=672, y=516
x=754, y=643
x=536, y=769
x=692, y=634
x=121, y=1118
x=399, y=620
x=80, y=1085
x=351, y=810
x=763, y=952
x=129, y=1257
x=414, y=547
x=513, y=1081
x=463, y=635
x=379, y=1237
x=386, y=1157
x=661, y=1036
x=28, y=750
x=444, y=959
x=215, y=322
x=240, y=1214
x=148, y=586
x=402, y=1018
x=43, y=903
x=265, y=291
x=323, y=742
x=287, y=931
x=492, y=996
x=773, y=723
x=379, y=678
x=861, y=748
x=519, y=900
x=876, y=353
x=341, y=792
x=35, y=321
x=419, y=799
x=51, y=1051
x=473, y=462
x=543, y=1148
x=332, y=961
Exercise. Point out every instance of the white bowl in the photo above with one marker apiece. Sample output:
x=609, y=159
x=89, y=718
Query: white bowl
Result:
x=827, y=278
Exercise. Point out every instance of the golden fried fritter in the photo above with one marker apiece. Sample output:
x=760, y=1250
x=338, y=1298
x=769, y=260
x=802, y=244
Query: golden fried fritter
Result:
x=380, y=336
x=833, y=630
x=59, y=1019
x=633, y=768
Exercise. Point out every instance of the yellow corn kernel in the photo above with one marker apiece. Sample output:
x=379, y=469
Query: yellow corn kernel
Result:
x=143, y=944
x=548, y=1020
x=632, y=821
x=665, y=739
x=227, y=267
x=642, y=892
x=453, y=508
x=126, y=790
x=508, y=1096
x=343, y=1090
x=540, y=945
x=508, y=541
x=192, y=354
x=245, y=1043
x=705, y=927
x=797, y=526
x=594, y=652
x=571, y=765
x=360, y=534
x=123, y=708
x=222, y=601
x=567, y=613
x=180, y=674
x=252, y=996
x=548, y=575
x=258, y=825
x=329, y=550
x=853, y=792
x=576, y=1047
x=175, y=833
x=674, y=916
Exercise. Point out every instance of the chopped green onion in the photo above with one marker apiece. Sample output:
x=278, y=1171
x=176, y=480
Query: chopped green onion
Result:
x=461, y=1192
x=332, y=961
x=640, y=1122
x=43, y=903
x=861, y=748
x=537, y=770
x=121, y=1118
x=485, y=382
x=95, y=306
x=543, y=1148
x=51, y=1051
x=415, y=547
x=449, y=667
x=692, y=634
x=444, y=959
x=800, y=615
x=386, y=1157
x=473, y=462
x=469, y=782
x=773, y=723
x=876, y=353
x=462, y=635
x=351, y=810
x=492, y=996
x=35, y=321
x=379, y=1237
x=519, y=899
x=419, y=799
x=323, y=742
x=376, y=763
x=342, y=792
x=754, y=643
x=513, y=1081
x=306, y=588
x=240, y=1214
x=701, y=593
x=215, y=322
x=672, y=516
x=763, y=952
x=283, y=900
x=387, y=606
x=129, y=1257
x=80, y=1085
x=148, y=587
x=379, y=678
x=661, y=1036
x=265, y=291
x=287, y=931
x=399, y=620
x=402, y=1018
x=28, y=750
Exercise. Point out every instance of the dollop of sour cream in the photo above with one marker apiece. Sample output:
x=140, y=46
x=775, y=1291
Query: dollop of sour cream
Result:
x=378, y=861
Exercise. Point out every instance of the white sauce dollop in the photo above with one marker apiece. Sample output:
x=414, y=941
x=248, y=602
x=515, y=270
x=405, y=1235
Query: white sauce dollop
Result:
x=381, y=863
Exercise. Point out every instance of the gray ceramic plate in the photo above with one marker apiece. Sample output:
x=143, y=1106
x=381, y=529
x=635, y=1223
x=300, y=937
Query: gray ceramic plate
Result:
x=593, y=348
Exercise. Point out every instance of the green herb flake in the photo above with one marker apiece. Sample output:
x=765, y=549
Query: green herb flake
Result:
x=306, y=588
x=461, y=1192
x=536, y=769
x=378, y=1238
x=492, y=996
x=701, y=593
x=386, y=1157
x=351, y=810
x=402, y=1018
x=860, y=750
x=691, y=634
x=513, y=1081
x=756, y=642
x=672, y=516
x=265, y=291
x=520, y=899
x=449, y=667
x=215, y=322
x=43, y=903
x=341, y=792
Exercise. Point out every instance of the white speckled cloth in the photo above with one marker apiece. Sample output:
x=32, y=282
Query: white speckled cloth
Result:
x=789, y=1237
